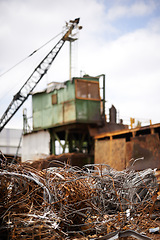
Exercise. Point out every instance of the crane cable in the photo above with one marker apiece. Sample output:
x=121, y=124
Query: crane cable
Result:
x=30, y=55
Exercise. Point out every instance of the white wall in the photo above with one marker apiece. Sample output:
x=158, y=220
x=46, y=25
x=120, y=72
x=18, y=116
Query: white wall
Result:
x=9, y=141
x=35, y=145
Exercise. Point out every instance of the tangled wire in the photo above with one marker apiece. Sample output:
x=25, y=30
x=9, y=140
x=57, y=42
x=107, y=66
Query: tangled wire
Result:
x=67, y=202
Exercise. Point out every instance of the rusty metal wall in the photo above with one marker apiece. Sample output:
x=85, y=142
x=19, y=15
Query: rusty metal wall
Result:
x=111, y=152
x=120, y=154
x=129, y=153
x=147, y=147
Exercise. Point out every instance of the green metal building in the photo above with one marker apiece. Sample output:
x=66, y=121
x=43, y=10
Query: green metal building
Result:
x=67, y=110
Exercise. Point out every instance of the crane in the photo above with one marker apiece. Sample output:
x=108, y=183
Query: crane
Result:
x=21, y=96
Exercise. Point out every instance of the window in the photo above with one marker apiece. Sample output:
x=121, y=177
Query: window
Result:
x=54, y=99
x=87, y=89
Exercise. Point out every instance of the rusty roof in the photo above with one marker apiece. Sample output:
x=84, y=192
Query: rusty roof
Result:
x=126, y=131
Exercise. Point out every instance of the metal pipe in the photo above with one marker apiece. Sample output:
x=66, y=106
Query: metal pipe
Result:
x=70, y=60
x=104, y=79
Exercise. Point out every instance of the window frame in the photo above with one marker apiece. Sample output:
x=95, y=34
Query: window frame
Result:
x=86, y=81
x=54, y=97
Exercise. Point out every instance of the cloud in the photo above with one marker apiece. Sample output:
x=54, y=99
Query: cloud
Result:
x=138, y=8
x=130, y=60
x=135, y=74
x=131, y=64
x=154, y=25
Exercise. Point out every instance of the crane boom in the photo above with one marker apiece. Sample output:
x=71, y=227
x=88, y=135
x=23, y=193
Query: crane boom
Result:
x=21, y=96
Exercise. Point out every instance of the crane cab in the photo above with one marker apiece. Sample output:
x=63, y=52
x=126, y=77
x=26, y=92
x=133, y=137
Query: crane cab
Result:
x=76, y=101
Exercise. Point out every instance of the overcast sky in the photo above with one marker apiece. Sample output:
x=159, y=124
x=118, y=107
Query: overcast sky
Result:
x=120, y=38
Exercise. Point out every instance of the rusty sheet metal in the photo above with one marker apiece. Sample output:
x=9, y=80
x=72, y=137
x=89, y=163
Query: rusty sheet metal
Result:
x=150, y=128
x=129, y=151
x=123, y=235
x=111, y=152
x=74, y=159
x=146, y=147
x=106, y=128
x=158, y=175
x=69, y=112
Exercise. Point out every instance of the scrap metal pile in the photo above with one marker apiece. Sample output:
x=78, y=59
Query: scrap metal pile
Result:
x=69, y=202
